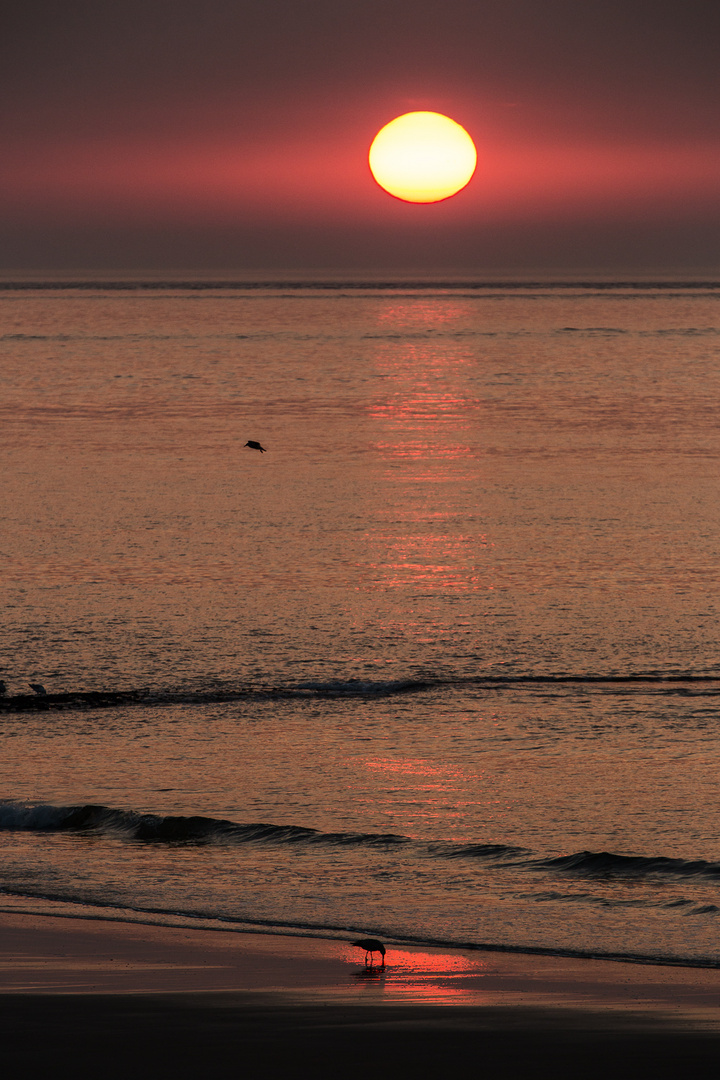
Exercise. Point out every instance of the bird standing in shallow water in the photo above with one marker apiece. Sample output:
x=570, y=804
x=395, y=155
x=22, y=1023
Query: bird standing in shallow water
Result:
x=370, y=945
x=255, y=446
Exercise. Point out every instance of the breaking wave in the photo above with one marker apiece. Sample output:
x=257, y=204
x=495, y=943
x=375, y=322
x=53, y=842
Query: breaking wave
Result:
x=686, y=684
x=607, y=864
x=178, y=829
x=158, y=828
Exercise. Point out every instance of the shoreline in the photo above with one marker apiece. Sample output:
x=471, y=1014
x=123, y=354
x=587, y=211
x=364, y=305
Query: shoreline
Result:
x=117, y=998
x=78, y=912
x=49, y=953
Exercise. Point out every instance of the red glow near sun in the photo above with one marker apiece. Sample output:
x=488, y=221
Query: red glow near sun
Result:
x=136, y=180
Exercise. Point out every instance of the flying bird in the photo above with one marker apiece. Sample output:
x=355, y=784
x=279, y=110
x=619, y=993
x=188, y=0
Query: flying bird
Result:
x=255, y=446
x=370, y=945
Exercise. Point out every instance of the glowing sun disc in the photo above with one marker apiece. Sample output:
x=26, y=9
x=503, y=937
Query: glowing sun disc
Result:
x=422, y=157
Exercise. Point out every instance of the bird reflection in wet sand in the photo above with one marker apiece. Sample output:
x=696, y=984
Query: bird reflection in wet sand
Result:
x=371, y=945
x=374, y=973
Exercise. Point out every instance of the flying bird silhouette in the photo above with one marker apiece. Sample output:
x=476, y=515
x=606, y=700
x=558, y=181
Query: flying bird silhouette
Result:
x=370, y=945
x=255, y=446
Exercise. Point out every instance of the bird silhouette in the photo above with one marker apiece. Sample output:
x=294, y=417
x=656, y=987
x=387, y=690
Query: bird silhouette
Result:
x=38, y=688
x=370, y=945
x=255, y=446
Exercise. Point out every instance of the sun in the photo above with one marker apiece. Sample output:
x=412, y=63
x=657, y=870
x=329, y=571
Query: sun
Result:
x=422, y=157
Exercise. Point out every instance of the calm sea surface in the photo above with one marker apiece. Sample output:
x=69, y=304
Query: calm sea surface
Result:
x=442, y=665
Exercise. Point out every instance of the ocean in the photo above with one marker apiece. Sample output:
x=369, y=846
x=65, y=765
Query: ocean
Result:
x=440, y=666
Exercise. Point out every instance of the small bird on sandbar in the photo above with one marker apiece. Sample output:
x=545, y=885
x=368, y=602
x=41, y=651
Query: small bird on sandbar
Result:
x=370, y=945
x=38, y=688
x=255, y=446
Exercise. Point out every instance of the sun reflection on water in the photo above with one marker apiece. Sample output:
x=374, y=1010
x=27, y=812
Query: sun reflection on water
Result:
x=426, y=426
x=430, y=977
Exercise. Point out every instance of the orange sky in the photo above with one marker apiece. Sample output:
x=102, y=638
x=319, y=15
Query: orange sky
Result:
x=139, y=141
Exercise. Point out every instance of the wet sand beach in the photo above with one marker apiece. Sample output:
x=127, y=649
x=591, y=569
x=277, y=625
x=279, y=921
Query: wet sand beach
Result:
x=113, y=998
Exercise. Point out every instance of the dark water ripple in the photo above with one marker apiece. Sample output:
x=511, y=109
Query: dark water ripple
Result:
x=177, y=829
x=706, y=685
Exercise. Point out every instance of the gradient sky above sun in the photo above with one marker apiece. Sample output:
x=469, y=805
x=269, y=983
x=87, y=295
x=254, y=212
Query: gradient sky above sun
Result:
x=226, y=134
